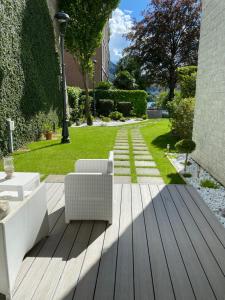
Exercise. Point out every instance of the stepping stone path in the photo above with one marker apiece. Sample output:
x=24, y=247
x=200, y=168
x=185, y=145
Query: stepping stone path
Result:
x=145, y=167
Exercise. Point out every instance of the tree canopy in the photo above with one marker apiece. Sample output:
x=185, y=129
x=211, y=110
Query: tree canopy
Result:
x=84, y=33
x=166, y=38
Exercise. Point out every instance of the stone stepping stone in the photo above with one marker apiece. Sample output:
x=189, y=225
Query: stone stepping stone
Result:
x=121, y=163
x=121, y=157
x=150, y=180
x=121, y=148
x=121, y=144
x=142, y=163
x=122, y=179
x=145, y=171
x=122, y=141
x=140, y=148
x=138, y=141
x=122, y=171
x=140, y=152
x=121, y=151
x=139, y=145
x=143, y=157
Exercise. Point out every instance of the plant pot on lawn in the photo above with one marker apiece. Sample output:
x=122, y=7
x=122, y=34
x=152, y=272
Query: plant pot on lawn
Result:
x=48, y=135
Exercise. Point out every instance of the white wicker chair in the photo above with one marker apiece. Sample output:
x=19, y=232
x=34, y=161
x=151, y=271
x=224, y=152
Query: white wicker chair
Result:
x=89, y=192
x=26, y=224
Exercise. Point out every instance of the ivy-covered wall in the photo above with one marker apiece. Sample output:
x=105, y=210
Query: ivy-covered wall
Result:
x=29, y=70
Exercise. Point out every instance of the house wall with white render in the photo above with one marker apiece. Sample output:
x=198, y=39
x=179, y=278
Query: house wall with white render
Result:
x=209, y=122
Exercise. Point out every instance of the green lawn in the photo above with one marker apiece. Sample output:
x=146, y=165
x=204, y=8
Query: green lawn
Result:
x=52, y=157
x=157, y=136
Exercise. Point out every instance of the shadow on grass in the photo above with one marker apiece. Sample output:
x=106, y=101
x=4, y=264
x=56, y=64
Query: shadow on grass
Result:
x=162, y=141
x=37, y=149
x=175, y=178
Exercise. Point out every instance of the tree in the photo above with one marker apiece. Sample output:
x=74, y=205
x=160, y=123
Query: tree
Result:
x=133, y=66
x=185, y=146
x=125, y=81
x=166, y=38
x=84, y=34
x=187, y=81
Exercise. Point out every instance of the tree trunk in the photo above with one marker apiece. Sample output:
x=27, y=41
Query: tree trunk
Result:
x=185, y=163
x=87, y=101
x=172, y=84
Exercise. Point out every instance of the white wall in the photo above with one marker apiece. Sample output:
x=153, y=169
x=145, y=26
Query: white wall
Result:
x=209, y=123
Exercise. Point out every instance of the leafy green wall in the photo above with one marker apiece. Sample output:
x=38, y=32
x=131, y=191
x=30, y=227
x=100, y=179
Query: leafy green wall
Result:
x=29, y=69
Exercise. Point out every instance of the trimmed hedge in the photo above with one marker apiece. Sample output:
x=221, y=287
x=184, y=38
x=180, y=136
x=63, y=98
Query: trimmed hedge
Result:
x=125, y=108
x=74, y=94
x=105, y=107
x=29, y=69
x=137, y=98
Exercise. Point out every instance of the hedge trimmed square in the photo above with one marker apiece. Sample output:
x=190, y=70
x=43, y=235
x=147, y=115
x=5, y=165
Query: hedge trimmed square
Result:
x=138, y=98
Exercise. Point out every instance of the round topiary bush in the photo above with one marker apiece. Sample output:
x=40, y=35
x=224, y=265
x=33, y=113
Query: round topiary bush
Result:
x=185, y=146
x=115, y=115
x=104, y=85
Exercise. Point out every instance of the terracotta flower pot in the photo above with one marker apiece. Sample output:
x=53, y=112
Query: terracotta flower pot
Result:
x=48, y=135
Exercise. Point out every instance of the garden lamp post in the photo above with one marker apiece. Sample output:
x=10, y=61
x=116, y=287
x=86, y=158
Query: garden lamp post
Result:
x=94, y=100
x=63, y=19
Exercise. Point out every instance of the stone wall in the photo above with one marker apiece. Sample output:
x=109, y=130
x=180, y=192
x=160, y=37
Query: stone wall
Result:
x=209, y=123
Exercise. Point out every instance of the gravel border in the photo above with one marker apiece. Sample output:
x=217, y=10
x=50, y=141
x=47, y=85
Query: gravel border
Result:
x=214, y=198
x=100, y=123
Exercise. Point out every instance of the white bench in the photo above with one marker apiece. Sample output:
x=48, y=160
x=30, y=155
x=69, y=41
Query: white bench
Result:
x=26, y=225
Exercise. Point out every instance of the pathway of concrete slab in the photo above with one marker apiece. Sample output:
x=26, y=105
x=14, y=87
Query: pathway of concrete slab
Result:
x=146, y=168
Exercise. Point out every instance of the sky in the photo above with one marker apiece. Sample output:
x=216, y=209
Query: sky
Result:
x=121, y=23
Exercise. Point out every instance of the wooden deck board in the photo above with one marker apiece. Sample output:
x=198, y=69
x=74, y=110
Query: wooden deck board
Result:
x=164, y=244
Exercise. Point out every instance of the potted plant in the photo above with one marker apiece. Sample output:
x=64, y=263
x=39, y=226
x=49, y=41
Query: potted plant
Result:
x=47, y=130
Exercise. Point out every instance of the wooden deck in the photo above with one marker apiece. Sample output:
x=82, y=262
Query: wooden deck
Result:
x=164, y=244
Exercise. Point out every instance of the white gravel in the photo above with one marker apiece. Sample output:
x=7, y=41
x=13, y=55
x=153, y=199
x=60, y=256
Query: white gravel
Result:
x=98, y=123
x=214, y=198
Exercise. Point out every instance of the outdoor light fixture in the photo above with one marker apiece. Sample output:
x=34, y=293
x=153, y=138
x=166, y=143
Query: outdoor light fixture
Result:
x=63, y=19
x=94, y=102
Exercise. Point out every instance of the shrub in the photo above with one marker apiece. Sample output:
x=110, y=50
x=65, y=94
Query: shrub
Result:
x=125, y=81
x=106, y=119
x=187, y=81
x=182, y=117
x=137, y=98
x=162, y=99
x=82, y=101
x=115, y=115
x=207, y=183
x=104, y=85
x=105, y=107
x=74, y=94
x=125, y=108
x=185, y=146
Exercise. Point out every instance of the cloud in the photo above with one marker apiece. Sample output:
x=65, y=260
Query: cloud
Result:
x=120, y=24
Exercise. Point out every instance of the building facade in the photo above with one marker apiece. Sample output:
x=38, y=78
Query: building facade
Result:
x=102, y=58
x=209, y=122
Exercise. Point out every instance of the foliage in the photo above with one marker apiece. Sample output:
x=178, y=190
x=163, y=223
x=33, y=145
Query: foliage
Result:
x=125, y=108
x=84, y=34
x=163, y=97
x=125, y=81
x=74, y=94
x=182, y=116
x=104, y=85
x=115, y=115
x=106, y=119
x=105, y=107
x=29, y=69
x=133, y=66
x=137, y=98
x=166, y=38
x=186, y=146
x=207, y=183
x=187, y=81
